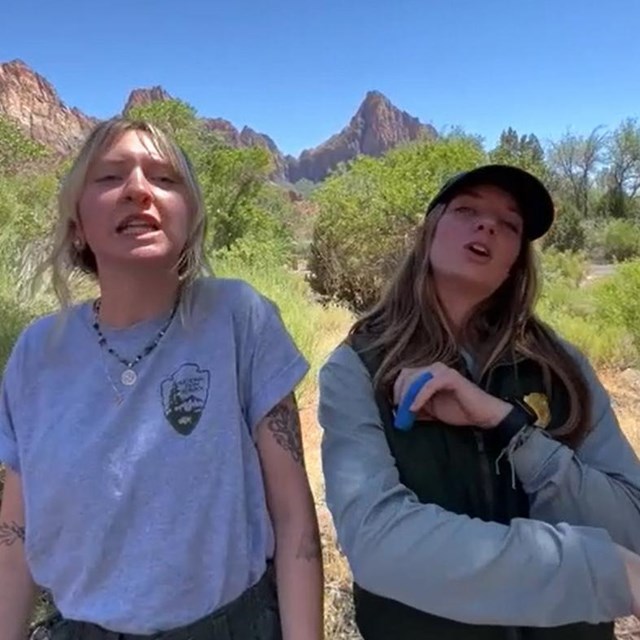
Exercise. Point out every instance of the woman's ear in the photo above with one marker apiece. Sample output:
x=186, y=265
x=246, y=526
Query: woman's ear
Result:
x=78, y=239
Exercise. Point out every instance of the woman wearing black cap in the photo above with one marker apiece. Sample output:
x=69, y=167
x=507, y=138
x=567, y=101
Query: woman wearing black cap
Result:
x=479, y=482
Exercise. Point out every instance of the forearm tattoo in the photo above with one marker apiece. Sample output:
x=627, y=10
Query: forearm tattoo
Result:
x=310, y=547
x=10, y=532
x=284, y=422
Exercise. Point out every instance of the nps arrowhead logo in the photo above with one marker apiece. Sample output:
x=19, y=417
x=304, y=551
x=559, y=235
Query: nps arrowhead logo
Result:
x=184, y=397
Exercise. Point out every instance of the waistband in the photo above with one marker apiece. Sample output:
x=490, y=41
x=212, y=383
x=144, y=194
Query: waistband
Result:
x=252, y=614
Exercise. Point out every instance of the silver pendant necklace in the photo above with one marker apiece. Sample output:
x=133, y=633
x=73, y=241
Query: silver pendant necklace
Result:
x=129, y=377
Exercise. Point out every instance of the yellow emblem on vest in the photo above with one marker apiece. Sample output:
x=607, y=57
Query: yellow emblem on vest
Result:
x=539, y=403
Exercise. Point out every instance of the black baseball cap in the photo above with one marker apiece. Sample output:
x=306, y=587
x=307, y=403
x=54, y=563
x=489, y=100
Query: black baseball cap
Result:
x=533, y=199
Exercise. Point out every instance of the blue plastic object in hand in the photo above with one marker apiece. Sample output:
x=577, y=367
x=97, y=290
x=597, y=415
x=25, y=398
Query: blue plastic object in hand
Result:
x=404, y=416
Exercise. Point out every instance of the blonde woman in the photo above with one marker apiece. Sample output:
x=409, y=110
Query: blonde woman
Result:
x=480, y=485
x=155, y=477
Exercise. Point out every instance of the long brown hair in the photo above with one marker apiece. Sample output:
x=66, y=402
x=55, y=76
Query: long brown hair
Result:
x=410, y=328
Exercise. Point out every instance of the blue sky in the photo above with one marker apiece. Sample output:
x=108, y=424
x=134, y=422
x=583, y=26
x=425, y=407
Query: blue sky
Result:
x=297, y=71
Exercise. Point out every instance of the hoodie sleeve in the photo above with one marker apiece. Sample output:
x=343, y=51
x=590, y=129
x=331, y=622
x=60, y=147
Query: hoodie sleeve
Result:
x=597, y=485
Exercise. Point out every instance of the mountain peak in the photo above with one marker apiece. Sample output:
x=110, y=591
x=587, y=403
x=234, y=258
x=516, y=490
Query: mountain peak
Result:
x=376, y=127
x=143, y=96
x=17, y=63
x=375, y=96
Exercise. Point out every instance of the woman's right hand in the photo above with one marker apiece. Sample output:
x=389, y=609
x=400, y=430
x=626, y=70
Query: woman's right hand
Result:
x=632, y=565
x=450, y=398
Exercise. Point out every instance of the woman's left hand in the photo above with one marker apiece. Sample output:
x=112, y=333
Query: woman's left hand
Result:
x=451, y=398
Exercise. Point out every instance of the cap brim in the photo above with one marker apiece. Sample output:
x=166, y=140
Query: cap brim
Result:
x=534, y=201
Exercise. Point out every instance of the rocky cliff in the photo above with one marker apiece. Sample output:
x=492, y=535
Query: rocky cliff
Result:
x=29, y=100
x=140, y=97
x=376, y=127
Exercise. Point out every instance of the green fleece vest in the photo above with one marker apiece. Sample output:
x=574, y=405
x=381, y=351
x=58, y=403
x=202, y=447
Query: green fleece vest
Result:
x=455, y=468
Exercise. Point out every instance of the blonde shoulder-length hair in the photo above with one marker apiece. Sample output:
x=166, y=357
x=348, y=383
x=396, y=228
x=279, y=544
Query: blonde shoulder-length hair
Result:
x=65, y=258
x=409, y=328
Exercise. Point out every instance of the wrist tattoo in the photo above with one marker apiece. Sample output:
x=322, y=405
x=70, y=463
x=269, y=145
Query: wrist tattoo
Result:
x=10, y=532
x=284, y=423
x=310, y=547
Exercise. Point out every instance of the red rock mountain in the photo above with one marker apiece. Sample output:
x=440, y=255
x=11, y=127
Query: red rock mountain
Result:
x=140, y=97
x=376, y=127
x=247, y=137
x=29, y=100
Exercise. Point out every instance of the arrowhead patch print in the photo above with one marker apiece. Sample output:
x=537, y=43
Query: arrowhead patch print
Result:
x=184, y=397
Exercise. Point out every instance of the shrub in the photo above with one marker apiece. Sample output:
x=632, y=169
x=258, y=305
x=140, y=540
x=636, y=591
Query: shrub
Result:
x=367, y=214
x=567, y=233
x=562, y=266
x=618, y=302
x=572, y=309
x=620, y=240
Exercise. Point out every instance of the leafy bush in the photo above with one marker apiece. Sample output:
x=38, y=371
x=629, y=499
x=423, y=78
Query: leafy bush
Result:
x=13, y=319
x=605, y=345
x=618, y=302
x=620, y=240
x=568, y=232
x=265, y=252
x=367, y=214
x=304, y=187
x=26, y=217
x=562, y=266
x=573, y=310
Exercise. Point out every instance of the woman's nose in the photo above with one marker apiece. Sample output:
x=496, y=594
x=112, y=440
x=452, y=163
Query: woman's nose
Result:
x=137, y=188
x=486, y=223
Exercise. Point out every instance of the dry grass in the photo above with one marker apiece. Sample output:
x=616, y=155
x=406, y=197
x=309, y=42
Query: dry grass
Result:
x=624, y=389
x=339, y=625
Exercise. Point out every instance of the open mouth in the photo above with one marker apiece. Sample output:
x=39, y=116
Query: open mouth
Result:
x=134, y=225
x=478, y=249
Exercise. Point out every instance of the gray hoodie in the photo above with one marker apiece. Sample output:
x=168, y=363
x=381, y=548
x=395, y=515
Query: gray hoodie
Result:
x=557, y=567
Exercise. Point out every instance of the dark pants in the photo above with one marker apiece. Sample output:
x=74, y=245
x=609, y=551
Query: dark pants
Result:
x=252, y=616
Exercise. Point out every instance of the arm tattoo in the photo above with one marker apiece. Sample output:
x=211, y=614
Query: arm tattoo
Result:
x=310, y=547
x=284, y=423
x=10, y=532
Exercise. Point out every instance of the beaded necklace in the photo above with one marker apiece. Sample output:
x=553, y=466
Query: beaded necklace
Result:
x=129, y=376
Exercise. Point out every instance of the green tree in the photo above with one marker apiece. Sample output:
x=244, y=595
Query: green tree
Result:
x=233, y=180
x=304, y=187
x=178, y=119
x=622, y=175
x=576, y=160
x=520, y=151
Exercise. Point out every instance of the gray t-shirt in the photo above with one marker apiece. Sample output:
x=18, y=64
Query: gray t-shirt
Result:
x=145, y=506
